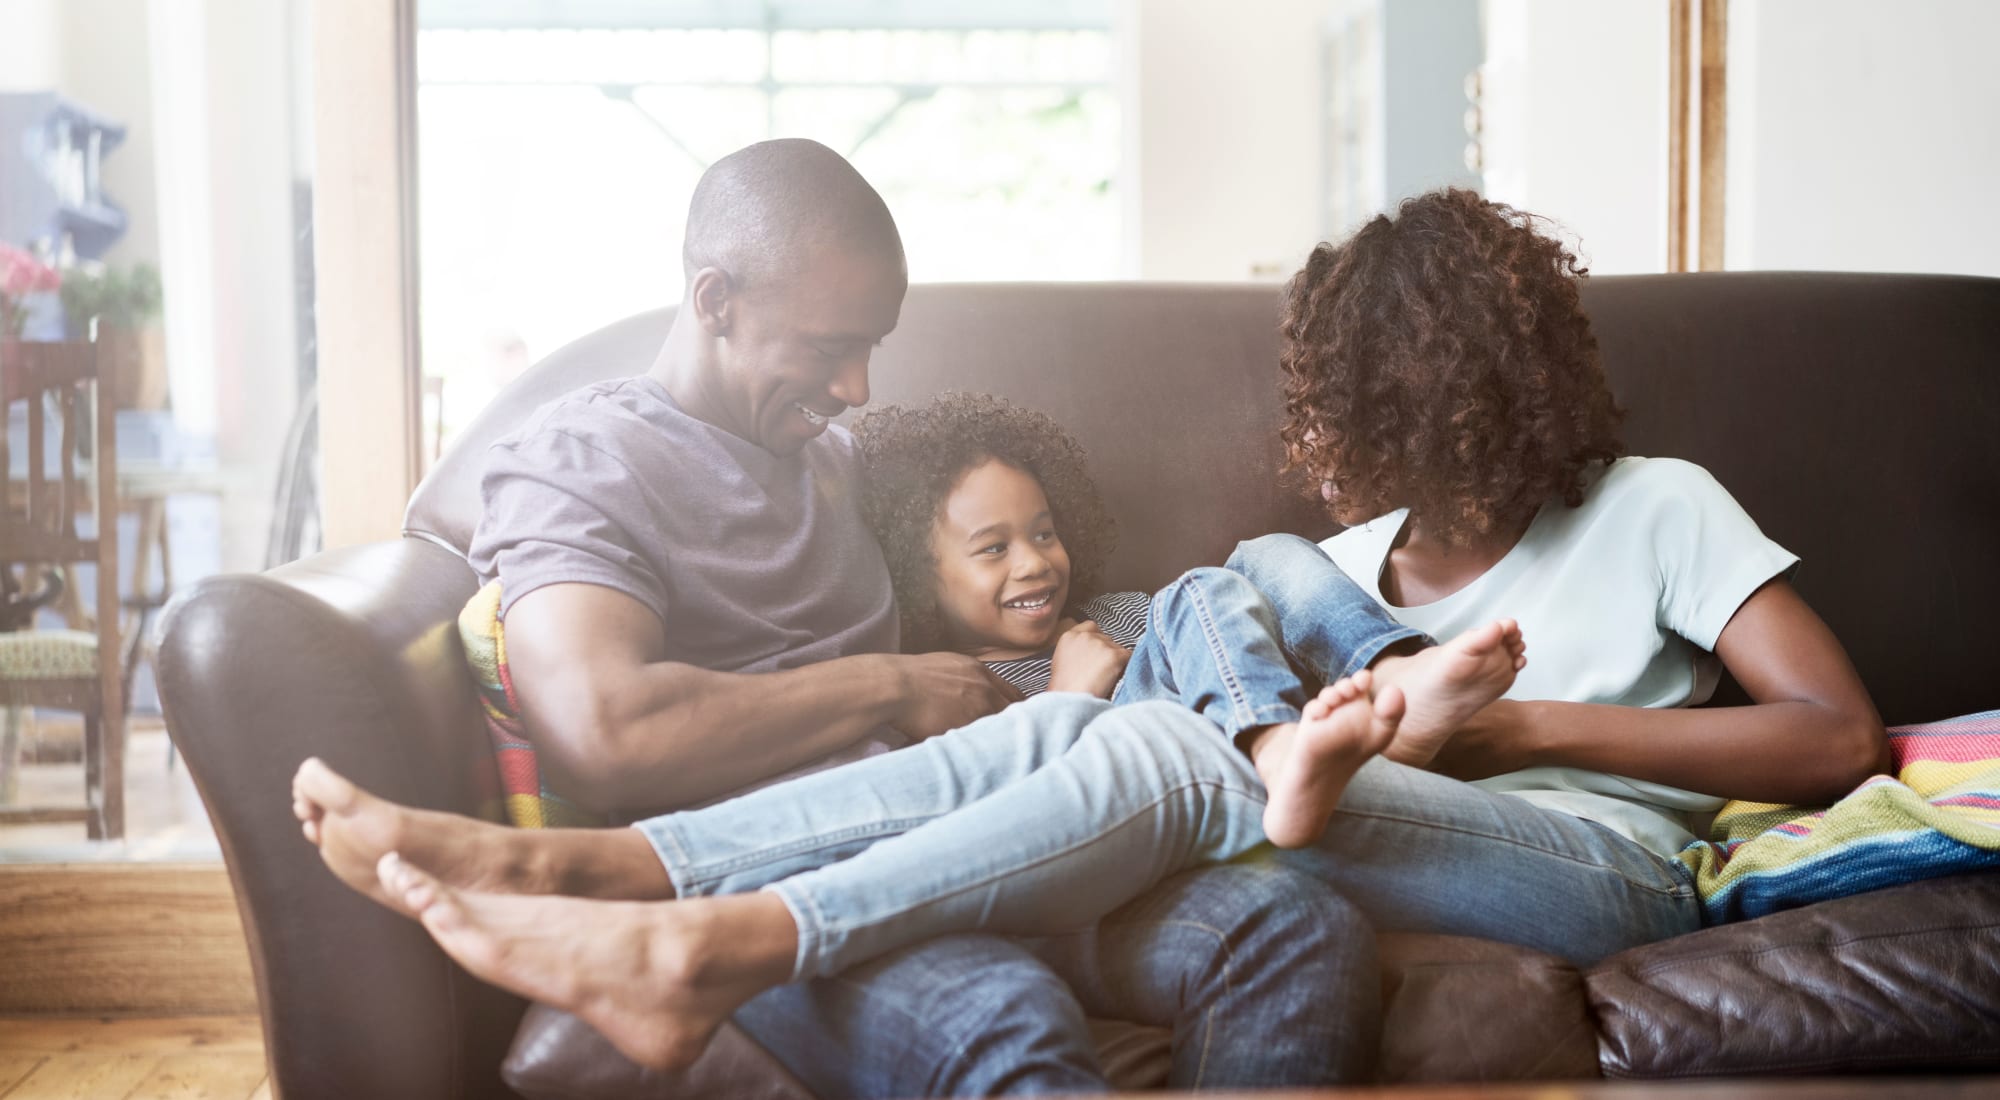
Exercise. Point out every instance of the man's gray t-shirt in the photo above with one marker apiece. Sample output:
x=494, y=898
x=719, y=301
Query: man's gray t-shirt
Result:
x=752, y=561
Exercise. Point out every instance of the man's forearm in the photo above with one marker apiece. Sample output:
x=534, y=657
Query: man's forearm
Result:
x=667, y=734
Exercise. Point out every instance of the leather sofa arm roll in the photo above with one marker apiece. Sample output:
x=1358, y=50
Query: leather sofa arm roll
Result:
x=353, y=656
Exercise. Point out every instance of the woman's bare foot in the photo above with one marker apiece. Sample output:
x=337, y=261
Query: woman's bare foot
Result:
x=1306, y=765
x=655, y=978
x=1444, y=685
x=353, y=829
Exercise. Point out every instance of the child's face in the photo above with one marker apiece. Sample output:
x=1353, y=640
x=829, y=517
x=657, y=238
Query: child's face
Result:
x=1002, y=573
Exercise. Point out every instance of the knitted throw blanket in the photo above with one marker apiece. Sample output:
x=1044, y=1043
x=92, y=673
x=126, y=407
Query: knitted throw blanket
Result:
x=529, y=801
x=1938, y=815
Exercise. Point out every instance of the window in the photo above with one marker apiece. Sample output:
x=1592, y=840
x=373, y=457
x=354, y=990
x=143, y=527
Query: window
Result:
x=559, y=144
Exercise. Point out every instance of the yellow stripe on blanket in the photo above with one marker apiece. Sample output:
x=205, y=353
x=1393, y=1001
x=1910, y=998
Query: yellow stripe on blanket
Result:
x=529, y=801
x=1939, y=815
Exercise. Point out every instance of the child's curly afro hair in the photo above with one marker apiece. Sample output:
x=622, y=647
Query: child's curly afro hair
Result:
x=916, y=455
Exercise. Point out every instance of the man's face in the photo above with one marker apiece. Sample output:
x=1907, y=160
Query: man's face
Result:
x=796, y=354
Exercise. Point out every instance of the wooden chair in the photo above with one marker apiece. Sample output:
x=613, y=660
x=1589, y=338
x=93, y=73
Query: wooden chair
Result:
x=77, y=668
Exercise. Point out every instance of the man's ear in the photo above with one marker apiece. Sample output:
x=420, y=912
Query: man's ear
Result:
x=713, y=299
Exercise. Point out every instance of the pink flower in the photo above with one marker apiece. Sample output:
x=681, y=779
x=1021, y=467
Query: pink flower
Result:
x=21, y=273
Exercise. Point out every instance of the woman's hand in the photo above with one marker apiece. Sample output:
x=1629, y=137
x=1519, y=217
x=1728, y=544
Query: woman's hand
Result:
x=1492, y=742
x=1087, y=660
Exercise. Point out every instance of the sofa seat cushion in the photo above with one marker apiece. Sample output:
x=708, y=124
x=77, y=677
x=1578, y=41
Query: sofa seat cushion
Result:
x=556, y=1056
x=1907, y=977
x=1461, y=1009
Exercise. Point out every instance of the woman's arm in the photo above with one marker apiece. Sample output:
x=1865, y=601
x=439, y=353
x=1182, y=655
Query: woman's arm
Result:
x=1810, y=735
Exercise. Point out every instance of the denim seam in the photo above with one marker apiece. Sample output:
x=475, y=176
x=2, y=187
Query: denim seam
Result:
x=954, y=1056
x=810, y=920
x=664, y=836
x=1571, y=857
x=723, y=868
x=1239, y=700
x=1228, y=981
x=845, y=929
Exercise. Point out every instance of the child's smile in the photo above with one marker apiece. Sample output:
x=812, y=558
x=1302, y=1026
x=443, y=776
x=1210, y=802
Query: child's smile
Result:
x=1002, y=572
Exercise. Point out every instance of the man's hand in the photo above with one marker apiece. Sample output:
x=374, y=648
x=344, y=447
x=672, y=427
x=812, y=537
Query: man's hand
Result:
x=943, y=691
x=1087, y=660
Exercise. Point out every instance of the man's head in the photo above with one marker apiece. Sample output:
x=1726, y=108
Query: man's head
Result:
x=794, y=273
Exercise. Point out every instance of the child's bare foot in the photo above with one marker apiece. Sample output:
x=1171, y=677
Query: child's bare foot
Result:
x=353, y=829
x=655, y=978
x=1306, y=766
x=1444, y=685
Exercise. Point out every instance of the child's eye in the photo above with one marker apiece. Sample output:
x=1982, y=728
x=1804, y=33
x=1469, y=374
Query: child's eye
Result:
x=1046, y=536
x=996, y=548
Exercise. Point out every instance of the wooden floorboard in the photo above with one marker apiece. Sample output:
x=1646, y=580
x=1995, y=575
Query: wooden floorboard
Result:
x=85, y=1077
x=190, y=1058
x=16, y=1065
x=203, y=1077
x=111, y=1035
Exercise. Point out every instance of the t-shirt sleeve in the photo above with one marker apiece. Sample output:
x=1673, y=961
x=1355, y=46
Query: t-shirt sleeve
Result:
x=560, y=511
x=1712, y=555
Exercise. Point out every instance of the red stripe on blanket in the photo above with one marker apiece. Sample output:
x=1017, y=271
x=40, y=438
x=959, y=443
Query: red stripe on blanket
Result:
x=518, y=774
x=1983, y=801
x=1944, y=750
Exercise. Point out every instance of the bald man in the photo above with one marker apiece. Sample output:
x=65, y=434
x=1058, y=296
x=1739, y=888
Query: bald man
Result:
x=692, y=605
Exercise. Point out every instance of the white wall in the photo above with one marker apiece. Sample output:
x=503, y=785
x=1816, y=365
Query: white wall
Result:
x=107, y=67
x=1864, y=136
x=1222, y=136
x=31, y=33
x=1576, y=126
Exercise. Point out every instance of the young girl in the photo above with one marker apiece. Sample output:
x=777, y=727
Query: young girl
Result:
x=995, y=536
x=1443, y=385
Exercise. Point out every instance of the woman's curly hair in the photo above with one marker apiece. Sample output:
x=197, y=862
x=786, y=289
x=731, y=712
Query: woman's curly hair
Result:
x=916, y=455
x=1441, y=360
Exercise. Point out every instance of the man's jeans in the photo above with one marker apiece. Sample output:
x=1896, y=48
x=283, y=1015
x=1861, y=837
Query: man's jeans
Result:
x=1045, y=818
x=1266, y=977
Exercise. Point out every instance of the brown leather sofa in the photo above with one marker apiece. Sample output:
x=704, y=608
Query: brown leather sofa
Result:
x=1854, y=415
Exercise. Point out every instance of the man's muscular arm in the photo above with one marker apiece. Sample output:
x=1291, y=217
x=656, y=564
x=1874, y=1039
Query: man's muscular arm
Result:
x=621, y=728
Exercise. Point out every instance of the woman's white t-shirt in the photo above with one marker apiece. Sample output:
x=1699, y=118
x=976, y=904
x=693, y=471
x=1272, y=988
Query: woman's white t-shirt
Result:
x=1620, y=600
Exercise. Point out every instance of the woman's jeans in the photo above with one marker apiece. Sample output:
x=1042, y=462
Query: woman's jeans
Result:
x=1046, y=817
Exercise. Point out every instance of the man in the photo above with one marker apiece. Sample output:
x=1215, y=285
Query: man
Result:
x=691, y=604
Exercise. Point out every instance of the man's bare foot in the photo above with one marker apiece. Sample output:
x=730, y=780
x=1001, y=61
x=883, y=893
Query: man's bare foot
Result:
x=353, y=829
x=1444, y=685
x=1306, y=765
x=655, y=978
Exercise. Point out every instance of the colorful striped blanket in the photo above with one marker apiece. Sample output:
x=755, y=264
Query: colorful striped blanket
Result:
x=1938, y=815
x=529, y=802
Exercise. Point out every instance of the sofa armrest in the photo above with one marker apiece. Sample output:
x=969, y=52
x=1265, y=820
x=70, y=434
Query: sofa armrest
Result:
x=353, y=656
x=1904, y=978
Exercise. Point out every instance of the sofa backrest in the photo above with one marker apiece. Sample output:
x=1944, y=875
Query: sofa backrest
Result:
x=1853, y=415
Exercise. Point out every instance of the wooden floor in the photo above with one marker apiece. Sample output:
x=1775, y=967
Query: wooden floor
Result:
x=189, y=1058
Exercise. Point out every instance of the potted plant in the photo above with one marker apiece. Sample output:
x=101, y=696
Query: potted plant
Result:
x=125, y=303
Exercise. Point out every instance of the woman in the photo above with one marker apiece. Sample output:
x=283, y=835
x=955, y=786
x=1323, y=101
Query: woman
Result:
x=1441, y=378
